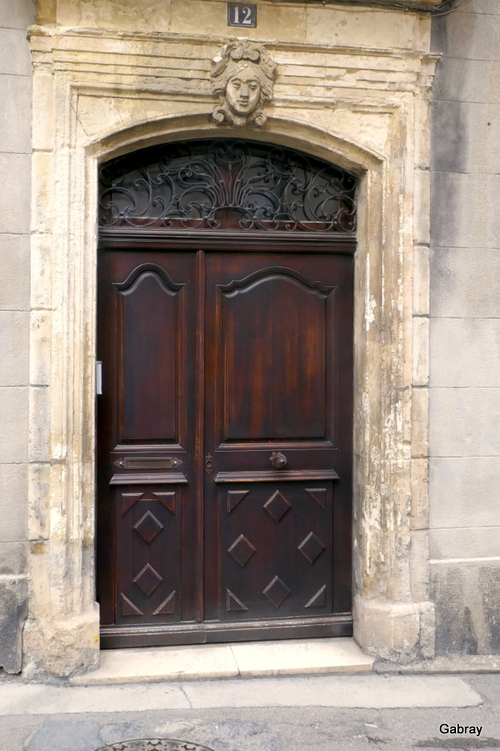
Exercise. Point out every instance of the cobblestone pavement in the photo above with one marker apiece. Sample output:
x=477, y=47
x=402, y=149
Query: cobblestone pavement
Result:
x=268, y=728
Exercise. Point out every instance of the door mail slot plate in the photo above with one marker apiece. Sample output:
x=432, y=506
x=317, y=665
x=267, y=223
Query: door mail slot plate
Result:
x=154, y=462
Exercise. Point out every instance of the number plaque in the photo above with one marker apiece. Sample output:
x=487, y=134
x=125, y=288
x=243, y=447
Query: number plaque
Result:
x=241, y=14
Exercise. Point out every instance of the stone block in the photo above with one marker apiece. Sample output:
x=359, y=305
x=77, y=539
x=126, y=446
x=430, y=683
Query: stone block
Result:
x=14, y=424
x=396, y=631
x=464, y=422
x=451, y=135
x=13, y=558
x=14, y=272
x=14, y=52
x=422, y=129
x=420, y=362
x=62, y=647
x=462, y=80
x=472, y=542
x=46, y=11
x=39, y=428
x=42, y=133
x=124, y=15
x=41, y=271
x=420, y=422
x=273, y=21
x=464, y=491
x=14, y=348
x=422, y=206
x=421, y=281
x=419, y=494
x=38, y=501
x=15, y=198
x=465, y=137
x=472, y=35
x=17, y=15
x=465, y=352
x=487, y=7
x=461, y=217
x=466, y=600
x=350, y=27
x=13, y=495
x=40, y=325
x=419, y=565
x=42, y=192
x=15, y=113
x=462, y=282
x=13, y=612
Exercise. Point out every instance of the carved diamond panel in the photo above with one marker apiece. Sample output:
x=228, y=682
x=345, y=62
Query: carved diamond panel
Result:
x=167, y=607
x=128, y=607
x=277, y=591
x=128, y=500
x=318, y=600
x=148, y=526
x=234, y=497
x=311, y=547
x=319, y=495
x=242, y=550
x=233, y=603
x=168, y=499
x=148, y=579
x=277, y=506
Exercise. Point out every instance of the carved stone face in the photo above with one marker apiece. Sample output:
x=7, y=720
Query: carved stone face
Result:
x=242, y=78
x=243, y=92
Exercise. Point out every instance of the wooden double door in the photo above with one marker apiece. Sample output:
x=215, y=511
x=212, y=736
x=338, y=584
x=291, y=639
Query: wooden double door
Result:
x=225, y=444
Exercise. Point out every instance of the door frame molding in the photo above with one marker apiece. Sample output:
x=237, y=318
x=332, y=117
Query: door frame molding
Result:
x=392, y=613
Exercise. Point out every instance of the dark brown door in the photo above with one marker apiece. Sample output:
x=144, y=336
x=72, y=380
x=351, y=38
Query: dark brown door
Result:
x=225, y=445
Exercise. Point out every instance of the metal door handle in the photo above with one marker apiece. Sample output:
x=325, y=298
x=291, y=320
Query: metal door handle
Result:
x=278, y=460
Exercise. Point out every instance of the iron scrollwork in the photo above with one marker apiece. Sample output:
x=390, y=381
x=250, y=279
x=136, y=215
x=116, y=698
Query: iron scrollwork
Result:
x=226, y=184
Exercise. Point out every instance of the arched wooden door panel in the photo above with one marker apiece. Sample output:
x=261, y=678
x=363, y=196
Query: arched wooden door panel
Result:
x=225, y=435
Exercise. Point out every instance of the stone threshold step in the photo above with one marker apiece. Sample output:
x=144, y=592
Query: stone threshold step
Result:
x=250, y=659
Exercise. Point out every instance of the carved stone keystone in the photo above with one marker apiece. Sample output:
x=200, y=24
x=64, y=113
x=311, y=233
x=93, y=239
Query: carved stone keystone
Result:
x=242, y=76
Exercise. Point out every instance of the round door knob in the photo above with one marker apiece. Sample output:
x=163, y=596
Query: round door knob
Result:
x=278, y=460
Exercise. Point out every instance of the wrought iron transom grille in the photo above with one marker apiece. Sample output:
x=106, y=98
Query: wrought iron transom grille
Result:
x=226, y=184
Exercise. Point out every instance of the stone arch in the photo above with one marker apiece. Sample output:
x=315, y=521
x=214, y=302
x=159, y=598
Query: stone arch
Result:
x=386, y=610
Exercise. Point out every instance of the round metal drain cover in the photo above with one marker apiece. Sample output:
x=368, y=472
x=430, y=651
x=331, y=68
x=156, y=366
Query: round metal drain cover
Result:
x=155, y=744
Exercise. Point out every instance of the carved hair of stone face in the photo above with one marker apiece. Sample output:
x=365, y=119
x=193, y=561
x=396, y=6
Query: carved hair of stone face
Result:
x=242, y=76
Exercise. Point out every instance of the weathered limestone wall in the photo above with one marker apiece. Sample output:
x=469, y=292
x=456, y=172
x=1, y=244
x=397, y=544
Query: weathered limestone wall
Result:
x=465, y=331
x=352, y=87
x=15, y=169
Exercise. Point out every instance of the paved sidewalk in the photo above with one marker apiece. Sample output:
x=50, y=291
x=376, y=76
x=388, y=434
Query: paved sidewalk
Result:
x=314, y=713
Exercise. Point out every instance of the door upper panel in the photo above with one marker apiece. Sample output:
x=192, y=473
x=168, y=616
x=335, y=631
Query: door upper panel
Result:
x=150, y=321
x=146, y=347
x=283, y=351
x=279, y=330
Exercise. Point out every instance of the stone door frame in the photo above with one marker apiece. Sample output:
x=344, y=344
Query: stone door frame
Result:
x=393, y=617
